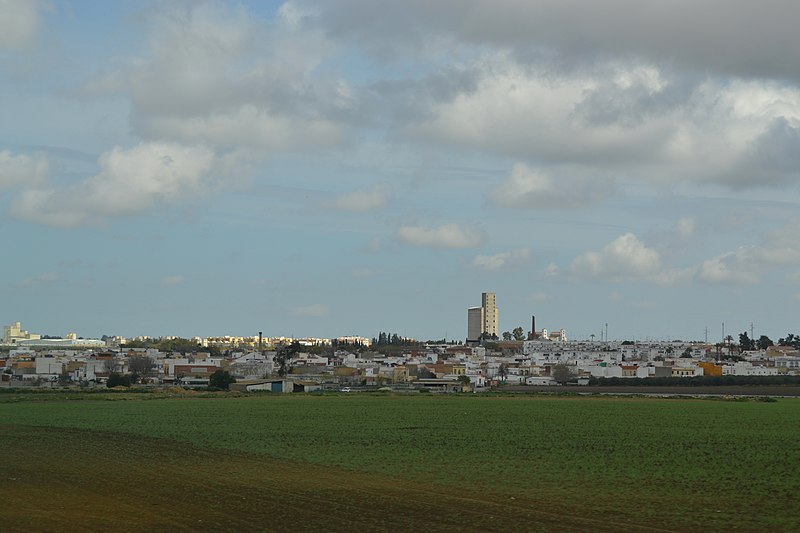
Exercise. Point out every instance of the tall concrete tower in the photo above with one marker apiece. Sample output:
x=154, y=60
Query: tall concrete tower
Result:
x=489, y=305
x=482, y=320
x=474, y=323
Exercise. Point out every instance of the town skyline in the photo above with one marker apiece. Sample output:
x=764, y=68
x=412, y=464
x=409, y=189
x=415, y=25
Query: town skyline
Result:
x=307, y=167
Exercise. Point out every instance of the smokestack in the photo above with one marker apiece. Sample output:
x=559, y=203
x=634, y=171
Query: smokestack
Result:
x=259, y=341
x=533, y=326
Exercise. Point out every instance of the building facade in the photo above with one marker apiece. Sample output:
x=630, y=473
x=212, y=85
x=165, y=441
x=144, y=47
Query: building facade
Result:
x=489, y=305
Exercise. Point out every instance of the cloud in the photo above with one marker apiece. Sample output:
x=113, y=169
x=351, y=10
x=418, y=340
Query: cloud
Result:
x=528, y=187
x=704, y=37
x=625, y=257
x=314, y=310
x=628, y=259
x=360, y=273
x=42, y=279
x=171, y=281
x=221, y=76
x=445, y=236
x=551, y=270
x=22, y=171
x=501, y=260
x=130, y=181
x=747, y=264
x=20, y=22
x=363, y=200
x=685, y=226
x=661, y=128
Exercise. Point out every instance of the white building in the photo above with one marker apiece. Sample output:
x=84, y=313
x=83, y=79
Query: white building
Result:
x=14, y=333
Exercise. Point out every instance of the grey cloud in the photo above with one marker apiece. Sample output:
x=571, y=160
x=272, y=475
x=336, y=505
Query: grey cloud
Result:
x=225, y=78
x=20, y=21
x=528, y=187
x=772, y=158
x=22, y=171
x=731, y=37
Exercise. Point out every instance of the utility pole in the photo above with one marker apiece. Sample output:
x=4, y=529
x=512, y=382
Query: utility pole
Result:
x=706, y=335
x=606, y=331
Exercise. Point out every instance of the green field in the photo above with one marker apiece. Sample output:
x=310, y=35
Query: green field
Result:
x=440, y=463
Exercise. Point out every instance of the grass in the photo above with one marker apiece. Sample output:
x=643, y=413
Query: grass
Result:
x=424, y=462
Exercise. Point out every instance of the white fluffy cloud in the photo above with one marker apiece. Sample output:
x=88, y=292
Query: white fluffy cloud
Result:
x=20, y=21
x=747, y=264
x=21, y=171
x=628, y=259
x=130, y=181
x=501, y=260
x=628, y=120
x=624, y=258
x=363, y=200
x=528, y=187
x=445, y=236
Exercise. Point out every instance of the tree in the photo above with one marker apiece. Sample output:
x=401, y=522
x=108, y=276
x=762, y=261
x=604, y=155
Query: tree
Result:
x=506, y=335
x=464, y=380
x=141, y=365
x=64, y=378
x=284, y=357
x=790, y=340
x=110, y=365
x=221, y=379
x=118, y=380
x=764, y=342
x=519, y=333
x=502, y=371
x=746, y=344
x=562, y=373
x=686, y=353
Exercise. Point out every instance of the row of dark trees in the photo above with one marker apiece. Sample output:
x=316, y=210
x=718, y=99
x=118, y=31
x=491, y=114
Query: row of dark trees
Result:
x=219, y=380
x=516, y=334
x=392, y=339
x=746, y=344
x=790, y=340
x=178, y=344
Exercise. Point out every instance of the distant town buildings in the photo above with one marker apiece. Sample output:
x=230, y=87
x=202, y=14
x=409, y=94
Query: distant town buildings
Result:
x=14, y=333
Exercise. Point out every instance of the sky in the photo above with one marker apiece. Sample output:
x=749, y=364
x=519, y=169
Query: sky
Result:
x=343, y=167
